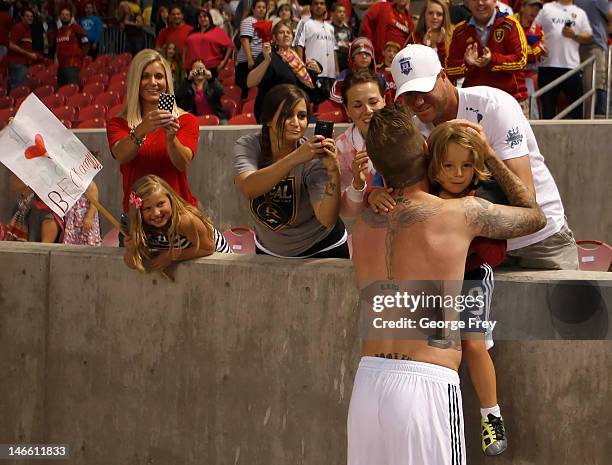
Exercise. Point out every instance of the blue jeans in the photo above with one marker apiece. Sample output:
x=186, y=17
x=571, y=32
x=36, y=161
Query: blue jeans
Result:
x=17, y=75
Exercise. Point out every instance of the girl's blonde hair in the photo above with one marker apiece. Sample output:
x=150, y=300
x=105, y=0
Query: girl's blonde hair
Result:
x=438, y=142
x=132, y=110
x=421, y=29
x=144, y=188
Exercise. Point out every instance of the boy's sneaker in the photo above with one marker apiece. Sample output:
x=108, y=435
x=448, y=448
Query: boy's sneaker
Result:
x=494, y=440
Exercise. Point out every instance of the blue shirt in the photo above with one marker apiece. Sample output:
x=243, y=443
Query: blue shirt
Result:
x=93, y=27
x=483, y=32
x=597, y=12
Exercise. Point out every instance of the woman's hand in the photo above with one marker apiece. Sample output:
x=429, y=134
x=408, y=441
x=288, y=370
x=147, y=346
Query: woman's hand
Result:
x=171, y=129
x=312, y=148
x=87, y=224
x=312, y=65
x=359, y=167
x=267, y=52
x=160, y=262
x=329, y=157
x=380, y=200
x=156, y=119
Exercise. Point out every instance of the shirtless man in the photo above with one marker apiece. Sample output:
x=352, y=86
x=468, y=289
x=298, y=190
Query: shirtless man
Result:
x=406, y=408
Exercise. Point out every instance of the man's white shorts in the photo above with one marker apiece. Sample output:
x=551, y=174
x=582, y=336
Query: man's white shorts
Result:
x=405, y=413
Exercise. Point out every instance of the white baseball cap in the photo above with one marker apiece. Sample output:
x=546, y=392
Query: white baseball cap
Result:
x=415, y=69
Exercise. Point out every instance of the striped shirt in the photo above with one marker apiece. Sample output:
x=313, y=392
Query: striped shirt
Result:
x=247, y=30
x=157, y=240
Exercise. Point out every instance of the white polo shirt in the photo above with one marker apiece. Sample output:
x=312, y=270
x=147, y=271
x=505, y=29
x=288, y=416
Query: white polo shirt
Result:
x=318, y=40
x=510, y=135
x=563, y=52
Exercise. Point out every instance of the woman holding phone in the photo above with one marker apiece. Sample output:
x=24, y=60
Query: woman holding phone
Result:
x=146, y=138
x=292, y=184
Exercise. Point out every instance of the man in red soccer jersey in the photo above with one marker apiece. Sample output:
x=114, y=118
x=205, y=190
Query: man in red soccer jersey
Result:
x=490, y=49
x=21, y=54
x=386, y=22
x=71, y=46
x=177, y=30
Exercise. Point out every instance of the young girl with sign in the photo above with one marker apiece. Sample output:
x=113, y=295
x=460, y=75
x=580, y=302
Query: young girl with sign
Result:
x=165, y=228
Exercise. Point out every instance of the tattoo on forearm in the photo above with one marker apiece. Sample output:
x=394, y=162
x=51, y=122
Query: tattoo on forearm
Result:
x=501, y=222
x=403, y=216
x=518, y=194
x=331, y=188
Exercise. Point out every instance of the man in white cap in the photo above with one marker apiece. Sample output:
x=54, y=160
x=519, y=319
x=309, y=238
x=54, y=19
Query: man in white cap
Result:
x=424, y=87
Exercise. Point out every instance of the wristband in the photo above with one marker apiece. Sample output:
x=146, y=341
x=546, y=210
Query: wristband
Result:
x=355, y=195
x=138, y=141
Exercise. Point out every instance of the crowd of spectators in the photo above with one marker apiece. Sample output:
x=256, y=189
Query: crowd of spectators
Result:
x=518, y=46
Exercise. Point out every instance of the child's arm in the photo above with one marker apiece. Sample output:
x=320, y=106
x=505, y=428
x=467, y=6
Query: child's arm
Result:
x=192, y=228
x=128, y=256
x=92, y=191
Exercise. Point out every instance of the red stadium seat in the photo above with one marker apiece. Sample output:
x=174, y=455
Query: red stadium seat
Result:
x=229, y=107
x=19, y=101
x=5, y=114
x=107, y=99
x=248, y=106
x=328, y=105
x=230, y=64
x=79, y=100
x=44, y=91
x=6, y=102
x=92, y=112
x=67, y=123
x=228, y=81
x=48, y=79
x=32, y=83
x=241, y=240
x=114, y=111
x=93, y=88
x=233, y=92
x=19, y=91
x=333, y=116
x=54, y=101
x=209, y=120
x=598, y=258
x=68, y=90
x=118, y=88
x=103, y=59
x=92, y=123
x=253, y=93
x=102, y=78
x=245, y=118
x=119, y=77
x=36, y=69
x=87, y=60
x=225, y=73
x=65, y=113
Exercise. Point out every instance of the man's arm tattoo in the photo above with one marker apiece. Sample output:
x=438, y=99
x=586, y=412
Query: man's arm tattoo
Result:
x=404, y=215
x=499, y=221
x=518, y=194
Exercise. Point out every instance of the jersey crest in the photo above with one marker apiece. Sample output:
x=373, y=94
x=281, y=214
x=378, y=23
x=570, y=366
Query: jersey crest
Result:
x=278, y=207
x=498, y=34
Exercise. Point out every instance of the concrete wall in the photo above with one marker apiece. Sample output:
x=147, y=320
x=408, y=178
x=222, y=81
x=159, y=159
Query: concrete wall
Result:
x=250, y=360
x=577, y=153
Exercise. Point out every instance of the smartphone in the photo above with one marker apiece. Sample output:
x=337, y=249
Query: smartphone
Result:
x=166, y=102
x=325, y=129
x=568, y=23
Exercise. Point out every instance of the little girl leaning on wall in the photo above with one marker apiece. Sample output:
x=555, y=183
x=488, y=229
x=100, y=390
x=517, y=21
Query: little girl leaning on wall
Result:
x=164, y=228
x=82, y=226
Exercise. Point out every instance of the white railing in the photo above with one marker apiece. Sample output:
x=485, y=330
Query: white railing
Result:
x=562, y=78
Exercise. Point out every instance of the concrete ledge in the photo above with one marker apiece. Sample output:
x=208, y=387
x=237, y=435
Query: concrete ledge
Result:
x=248, y=360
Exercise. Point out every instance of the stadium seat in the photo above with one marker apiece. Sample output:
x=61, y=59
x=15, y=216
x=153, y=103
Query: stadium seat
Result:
x=36, y=69
x=92, y=123
x=44, y=91
x=229, y=107
x=241, y=240
x=226, y=73
x=230, y=64
x=328, y=106
x=93, y=88
x=245, y=118
x=87, y=60
x=107, y=99
x=5, y=114
x=6, y=102
x=19, y=91
x=102, y=78
x=68, y=90
x=54, y=101
x=233, y=92
x=228, y=81
x=48, y=79
x=248, y=106
x=118, y=88
x=598, y=258
x=208, y=120
x=333, y=116
x=92, y=112
x=104, y=59
x=119, y=77
x=65, y=113
x=253, y=93
x=67, y=123
x=19, y=101
x=114, y=111
x=32, y=83
x=79, y=100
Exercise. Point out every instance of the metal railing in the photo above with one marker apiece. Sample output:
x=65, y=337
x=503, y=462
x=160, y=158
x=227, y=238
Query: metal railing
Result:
x=608, y=83
x=114, y=40
x=576, y=102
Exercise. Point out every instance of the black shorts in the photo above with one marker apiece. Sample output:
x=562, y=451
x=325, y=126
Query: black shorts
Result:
x=478, y=282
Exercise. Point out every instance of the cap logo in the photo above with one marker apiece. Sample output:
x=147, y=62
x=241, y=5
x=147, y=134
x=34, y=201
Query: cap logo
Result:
x=405, y=66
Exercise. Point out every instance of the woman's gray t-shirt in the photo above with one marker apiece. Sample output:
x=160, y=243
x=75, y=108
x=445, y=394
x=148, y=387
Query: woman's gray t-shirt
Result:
x=285, y=221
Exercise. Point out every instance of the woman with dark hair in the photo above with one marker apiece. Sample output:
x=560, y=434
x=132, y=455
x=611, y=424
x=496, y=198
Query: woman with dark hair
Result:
x=200, y=93
x=292, y=184
x=280, y=64
x=208, y=43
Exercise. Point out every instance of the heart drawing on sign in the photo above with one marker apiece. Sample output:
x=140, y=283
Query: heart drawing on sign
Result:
x=38, y=149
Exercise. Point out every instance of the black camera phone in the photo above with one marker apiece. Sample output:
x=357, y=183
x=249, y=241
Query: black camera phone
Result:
x=325, y=129
x=568, y=23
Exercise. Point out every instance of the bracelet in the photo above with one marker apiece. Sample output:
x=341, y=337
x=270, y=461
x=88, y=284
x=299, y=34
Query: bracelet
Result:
x=138, y=141
x=354, y=194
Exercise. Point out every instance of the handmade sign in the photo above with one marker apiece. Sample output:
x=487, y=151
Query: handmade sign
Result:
x=46, y=156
